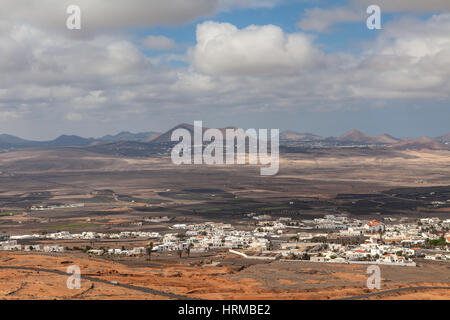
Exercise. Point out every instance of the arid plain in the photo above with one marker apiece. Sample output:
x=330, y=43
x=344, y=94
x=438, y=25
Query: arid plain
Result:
x=118, y=191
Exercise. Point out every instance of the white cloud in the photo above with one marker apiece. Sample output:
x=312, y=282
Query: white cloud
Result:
x=321, y=20
x=158, y=43
x=223, y=49
x=9, y=115
x=405, y=5
x=230, y=4
x=415, y=38
x=104, y=16
x=410, y=59
x=74, y=117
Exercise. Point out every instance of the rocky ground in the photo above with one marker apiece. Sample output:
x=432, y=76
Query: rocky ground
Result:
x=42, y=276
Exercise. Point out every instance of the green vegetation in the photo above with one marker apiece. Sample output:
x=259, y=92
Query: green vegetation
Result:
x=438, y=242
x=9, y=213
x=127, y=198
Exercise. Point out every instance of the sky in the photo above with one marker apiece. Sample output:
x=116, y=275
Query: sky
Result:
x=148, y=65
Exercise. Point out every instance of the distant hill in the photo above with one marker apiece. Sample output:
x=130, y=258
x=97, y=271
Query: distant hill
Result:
x=9, y=139
x=360, y=137
x=444, y=138
x=67, y=141
x=151, y=137
x=12, y=142
x=388, y=139
x=295, y=136
x=418, y=144
x=127, y=136
x=8, y=142
x=354, y=136
x=167, y=136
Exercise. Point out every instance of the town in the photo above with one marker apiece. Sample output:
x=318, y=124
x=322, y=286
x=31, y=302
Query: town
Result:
x=330, y=239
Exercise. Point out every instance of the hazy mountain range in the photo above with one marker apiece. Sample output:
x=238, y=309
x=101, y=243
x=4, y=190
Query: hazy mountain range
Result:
x=144, y=139
x=12, y=142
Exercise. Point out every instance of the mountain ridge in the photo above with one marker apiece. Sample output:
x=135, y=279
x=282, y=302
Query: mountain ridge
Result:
x=355, y=135
x=10, y=142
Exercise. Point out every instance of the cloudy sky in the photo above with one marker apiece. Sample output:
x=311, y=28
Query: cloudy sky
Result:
x=147, y=65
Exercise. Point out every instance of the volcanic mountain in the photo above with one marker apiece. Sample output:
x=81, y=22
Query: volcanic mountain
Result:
x=8, y=141
x=295, y=136
x=12, y=142
x=128, y=136
x=418, y=144
x=166, y=137
x=360, y=137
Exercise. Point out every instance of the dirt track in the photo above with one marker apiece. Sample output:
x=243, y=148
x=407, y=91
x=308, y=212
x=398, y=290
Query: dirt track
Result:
x=394, y=291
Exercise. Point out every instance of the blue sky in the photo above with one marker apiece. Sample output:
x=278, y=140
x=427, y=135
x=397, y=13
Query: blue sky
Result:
x=304, y=65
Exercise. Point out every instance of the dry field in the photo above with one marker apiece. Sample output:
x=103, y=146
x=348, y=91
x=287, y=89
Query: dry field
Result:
x=32, y=276
x=73, y=172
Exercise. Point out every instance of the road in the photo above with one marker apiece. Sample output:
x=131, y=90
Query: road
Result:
x=381, y=293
